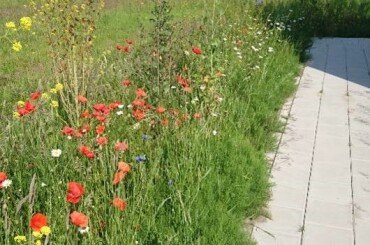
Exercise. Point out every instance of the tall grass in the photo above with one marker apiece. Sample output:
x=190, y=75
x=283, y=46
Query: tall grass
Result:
x=201, y=179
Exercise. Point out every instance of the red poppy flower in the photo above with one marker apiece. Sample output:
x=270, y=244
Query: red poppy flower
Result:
x=165, y=122
x=102, y=140
x=140, y=92
x=196, y=50
x=86, y=151
x=118, y=176
x=100, y=107
x=85, y=114
x=138, y=114
x=129, y=41
x=138, y=103
x=121, y=146
x=26, y=109
x=100, y=129
x=79, y=219
x=37, y=221
x=85, y=129
x=197, y=115
x=122, y=166
x=160, y=109
x=125, y=49
x=35, y=95
x=75, y=191
x=119, y=203
x=114, y=105
x=3, y=177
x=82, y=99
x=126, y=83
x=182, y=81
x=67, y=131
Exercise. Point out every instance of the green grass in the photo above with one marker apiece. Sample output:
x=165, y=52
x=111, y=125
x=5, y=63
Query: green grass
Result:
x=195, y=188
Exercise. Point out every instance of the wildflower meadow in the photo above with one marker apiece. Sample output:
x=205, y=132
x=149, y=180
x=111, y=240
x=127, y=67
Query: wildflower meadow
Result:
x=139, y=122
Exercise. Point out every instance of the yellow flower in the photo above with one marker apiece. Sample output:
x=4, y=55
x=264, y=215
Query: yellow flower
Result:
x=10, y=25
x=45, y=96
x=20, y=239
x=37, y=234
x=16, y=115
x=38, y=242
x=20, y=103
x=59, y=87
x=45, y=230
x=26, y=23
x=53, y=91
x=17, y=46
x=54, y=104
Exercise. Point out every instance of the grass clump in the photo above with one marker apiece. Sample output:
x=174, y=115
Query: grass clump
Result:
x=165, y=137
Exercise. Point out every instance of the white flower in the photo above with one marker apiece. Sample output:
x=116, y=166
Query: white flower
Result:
x=83, y=230
x=56, y=152
x=271, y=49
x=119, y=113
x=136, y=126
x=129, y=106
x=69, y=137
x=6, y=183
x=236, y=48
x=202, y=87
x=43, y=184
x=173, y=87
x=121, y=106
x=214, y=132
x=186, y=53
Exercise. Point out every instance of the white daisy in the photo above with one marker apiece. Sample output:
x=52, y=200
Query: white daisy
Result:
x=6, y=183
x=56, y=152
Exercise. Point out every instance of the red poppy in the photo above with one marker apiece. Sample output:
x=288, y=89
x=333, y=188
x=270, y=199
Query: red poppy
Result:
x=121, y=146
x=101, y=108
x=102, y=140
x=197, y=115
x=126, y=83
x=75, y=191
x=160, y=109
x=35, y=95
x=114, y=105
x=100, y=129
x=67, y=131
x=185, y=84
x=124, y=49
x=118, y=176
x=86, y=151
x=79, y=219
x=119, y=203
x=85, y=114
x=122, y=166
x=26, y=109
x=196, y=50
x=165, y=122
x=82, y=99
x=38, y=221
x=85, y=129
x=129, y=41
x=138, y=103
x=138, y=114
x=3, y=177
x=140, y=92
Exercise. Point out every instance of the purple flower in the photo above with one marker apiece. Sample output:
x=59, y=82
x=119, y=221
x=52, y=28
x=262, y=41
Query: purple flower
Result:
x=140, y=158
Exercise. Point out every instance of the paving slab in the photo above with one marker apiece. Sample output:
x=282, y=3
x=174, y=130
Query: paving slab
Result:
x=321, y=169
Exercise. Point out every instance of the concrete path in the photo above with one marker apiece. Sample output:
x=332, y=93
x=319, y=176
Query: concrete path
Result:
x=321, y=171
